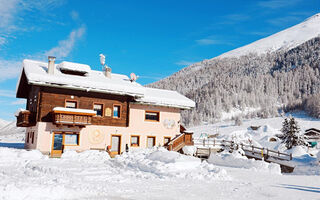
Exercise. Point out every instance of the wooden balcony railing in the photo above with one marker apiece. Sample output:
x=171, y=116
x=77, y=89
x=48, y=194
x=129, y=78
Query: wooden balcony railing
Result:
x=177, y=143
x=72, y=117
x=25, y=119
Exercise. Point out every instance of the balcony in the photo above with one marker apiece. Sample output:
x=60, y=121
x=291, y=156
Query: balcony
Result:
x=25, y=118
x=72, y=116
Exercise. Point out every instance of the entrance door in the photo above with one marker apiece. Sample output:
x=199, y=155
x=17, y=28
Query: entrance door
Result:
x=151, y=141
x=115, y=145
x=57, y=146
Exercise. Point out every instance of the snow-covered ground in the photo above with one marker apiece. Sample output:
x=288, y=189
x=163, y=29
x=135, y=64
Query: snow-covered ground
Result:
x=146, y=174
x=159, y=174
x=305, y=159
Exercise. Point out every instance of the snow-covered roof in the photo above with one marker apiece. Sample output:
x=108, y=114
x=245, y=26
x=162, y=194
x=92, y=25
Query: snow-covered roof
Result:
x=74, y=67
x=165, y=98
x=95, y=81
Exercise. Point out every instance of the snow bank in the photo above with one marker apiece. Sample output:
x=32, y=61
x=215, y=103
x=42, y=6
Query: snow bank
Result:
x=297, y=151
x=189, y=150
x=86, y=156
x=236, y=160
x=15, y=154
x=160, y=163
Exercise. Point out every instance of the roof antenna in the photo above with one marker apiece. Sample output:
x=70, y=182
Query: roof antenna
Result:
x=105, y=68
x=102, y=60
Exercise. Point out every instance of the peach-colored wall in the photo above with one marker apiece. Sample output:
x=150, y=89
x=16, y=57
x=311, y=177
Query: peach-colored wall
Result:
x=98, y=137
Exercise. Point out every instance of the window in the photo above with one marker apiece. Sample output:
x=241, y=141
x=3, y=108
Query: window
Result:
x=152, y=116
x=71, y=139
x=116, y=111
x=99, y=109
x=151, y=141
x=71, y=104
x=166, y=140
x=32, y=137
x=28, y=136
x=135, y=140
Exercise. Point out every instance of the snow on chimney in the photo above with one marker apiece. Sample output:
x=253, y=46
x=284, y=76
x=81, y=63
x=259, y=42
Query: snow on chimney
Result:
x=51, y=60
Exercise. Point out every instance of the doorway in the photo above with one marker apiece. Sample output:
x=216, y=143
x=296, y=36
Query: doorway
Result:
x=115, y=145
x=151, y=141
x=57, y=146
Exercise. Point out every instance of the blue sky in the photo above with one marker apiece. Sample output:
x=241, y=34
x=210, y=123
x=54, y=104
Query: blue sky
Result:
x=151, y=38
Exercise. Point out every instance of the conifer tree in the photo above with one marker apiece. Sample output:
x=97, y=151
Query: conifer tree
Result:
x=291, y=133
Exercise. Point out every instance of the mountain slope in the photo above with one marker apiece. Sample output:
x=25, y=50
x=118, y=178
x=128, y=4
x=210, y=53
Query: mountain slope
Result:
x=9, y=132
x=3, y=123
x=261, y=81
x=284, y=40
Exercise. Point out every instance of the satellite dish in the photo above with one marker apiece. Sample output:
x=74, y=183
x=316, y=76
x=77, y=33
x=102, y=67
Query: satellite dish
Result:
x=133, y=77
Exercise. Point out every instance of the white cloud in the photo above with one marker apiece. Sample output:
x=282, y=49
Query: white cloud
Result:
x=2, y=40
x=276, y=4
x=7, y=93
x=213, y=39
x=74, y=15
x=206, y=41
x=184, y=63
x=12, y=14
x=8, y=9
x=19, y=102
x=66, y=46
x=284, y=20
x=9, y=69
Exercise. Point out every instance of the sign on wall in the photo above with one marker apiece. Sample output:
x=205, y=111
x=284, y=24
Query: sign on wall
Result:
x=168, y=123
x=107, y=112
x=96, y=137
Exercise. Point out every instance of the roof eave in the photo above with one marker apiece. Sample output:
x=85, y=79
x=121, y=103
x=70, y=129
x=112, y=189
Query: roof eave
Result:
x=182, y=107
x=139, y=95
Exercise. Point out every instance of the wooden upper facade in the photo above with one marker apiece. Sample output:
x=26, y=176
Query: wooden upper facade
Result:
x=42, y=101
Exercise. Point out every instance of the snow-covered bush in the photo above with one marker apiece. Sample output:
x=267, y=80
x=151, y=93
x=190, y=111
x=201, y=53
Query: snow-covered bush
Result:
x=238, y=121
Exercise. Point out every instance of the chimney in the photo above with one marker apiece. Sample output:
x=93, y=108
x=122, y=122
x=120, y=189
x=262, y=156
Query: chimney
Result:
x=107, y=71
x=51, y=67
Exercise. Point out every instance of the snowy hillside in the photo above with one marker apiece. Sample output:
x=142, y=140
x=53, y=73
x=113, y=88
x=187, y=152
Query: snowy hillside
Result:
x=3, y=123
x=283, y=73
x=10, y=133
x=284, y=40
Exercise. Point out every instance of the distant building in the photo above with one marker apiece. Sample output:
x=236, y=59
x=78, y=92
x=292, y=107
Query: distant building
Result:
x=312, y=135
x=71, y=106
